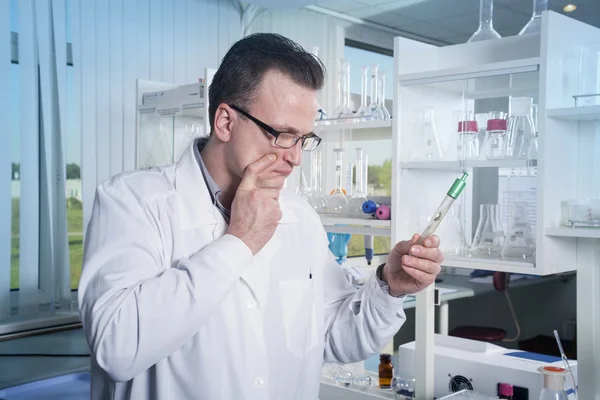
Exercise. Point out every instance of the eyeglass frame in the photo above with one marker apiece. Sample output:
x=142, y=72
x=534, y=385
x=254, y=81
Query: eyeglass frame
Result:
x=275, y=133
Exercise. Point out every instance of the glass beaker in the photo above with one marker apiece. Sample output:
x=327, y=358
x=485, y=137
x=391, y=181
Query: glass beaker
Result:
x=381, y=96
x=317, y=199
x=534, y=26
x=494, y=145
x=554, y=383
x=486, y=29
x=344, y=111
x=519, y=242
x=426, y=145
x=521, y=129
x=363, y=111
x=337, y=202
x=359, y=197
x=374, y=105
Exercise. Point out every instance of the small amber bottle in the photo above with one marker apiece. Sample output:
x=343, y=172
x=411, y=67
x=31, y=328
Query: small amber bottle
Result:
x=386, y=371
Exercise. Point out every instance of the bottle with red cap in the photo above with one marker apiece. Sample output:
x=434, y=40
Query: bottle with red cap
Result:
x=494, y=145
x=505, y=391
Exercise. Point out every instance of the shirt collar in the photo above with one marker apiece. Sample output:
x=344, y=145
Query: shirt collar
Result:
x=213, y=187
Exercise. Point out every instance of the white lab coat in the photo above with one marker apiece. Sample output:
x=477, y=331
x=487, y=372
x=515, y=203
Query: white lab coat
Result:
x=174, y=309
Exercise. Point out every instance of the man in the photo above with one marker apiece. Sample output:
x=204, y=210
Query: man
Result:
x=205, y=280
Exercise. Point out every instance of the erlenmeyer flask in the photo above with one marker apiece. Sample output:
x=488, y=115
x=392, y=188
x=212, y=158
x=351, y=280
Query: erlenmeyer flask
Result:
x=519, y=241
x=534, y=26
x=498, y=225
x=337, y=202
x=363, y=110
x=479, y=231
x=494, y=145
x=381, y=96
x=520, y=127
x=317, y=199
x=486, y=23
x=532, y=152
x=359, y=197
x=554, y=383
x=343, y=111
x=489, y=243
x=374, y=104
x=426, y=145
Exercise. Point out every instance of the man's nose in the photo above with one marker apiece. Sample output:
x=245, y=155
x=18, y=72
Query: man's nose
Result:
x=294, y=154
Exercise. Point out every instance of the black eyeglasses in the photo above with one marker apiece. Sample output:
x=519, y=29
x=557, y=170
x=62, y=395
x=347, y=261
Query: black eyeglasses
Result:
x=285, y=140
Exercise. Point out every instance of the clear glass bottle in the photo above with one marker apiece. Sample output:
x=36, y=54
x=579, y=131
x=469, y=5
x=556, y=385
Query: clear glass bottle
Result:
x=521, y=129
x=344, y=111
x=494, y=145
x=532, y=152
x=381, y=96
x=355, y=203
x=489, y=243
x=374, y=104
x=467, y=144
x=426, y=145
x=317, y=199
x=486, y=29
x=554, y=383
x=337, y=202
x=534, y=26
x=363, y=111
x=386, y=371
x=519, y=243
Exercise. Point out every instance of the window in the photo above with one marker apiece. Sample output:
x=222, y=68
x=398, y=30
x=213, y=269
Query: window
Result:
x=379, y=174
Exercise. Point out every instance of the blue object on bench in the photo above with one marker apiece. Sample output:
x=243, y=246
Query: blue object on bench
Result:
x=65, y=387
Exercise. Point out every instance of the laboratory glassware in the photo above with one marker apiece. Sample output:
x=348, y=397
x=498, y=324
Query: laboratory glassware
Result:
x=363, y=111
x=563, y=356
x=479, y=230
x=456, y=228
x=361, y=382
x=494, y=144
x=426, y=144
x=337, y=202
x=386, y=371
x=343, y=377
x=486, y=29
x=465, y=141
x=521, y=129
x=532, y=152
x=374, y=104
x=554, y=383
x=519, y=241
x=403, y=388
x=534, y=25
x=488, y=235
x=343, y=111
x=381, y=96
x=451, y=196
x=359, y=197
x=317, y=199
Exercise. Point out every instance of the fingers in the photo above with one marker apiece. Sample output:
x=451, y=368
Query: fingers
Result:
x=253, y=170
x=422, y=279
x=272, y=193
x=421, y=264
x=432, y=254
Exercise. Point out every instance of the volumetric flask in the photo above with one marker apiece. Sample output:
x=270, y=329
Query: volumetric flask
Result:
x=337, y=202
x=363, y=110
x=381, y=96
x=359, y=197
x=519, y=242
x=425, y=144
x=343, y=111
x=374, y=104
x=317, y=199
x=521, y=129
x=534, y=26
x=486, y=29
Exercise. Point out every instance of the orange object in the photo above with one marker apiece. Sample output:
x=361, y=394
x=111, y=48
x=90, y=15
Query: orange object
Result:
x=386, y=371
x=343, y=190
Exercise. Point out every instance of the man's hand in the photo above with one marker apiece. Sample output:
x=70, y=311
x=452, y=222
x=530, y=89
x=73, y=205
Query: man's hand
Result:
x=255, y=211
x=410, y=268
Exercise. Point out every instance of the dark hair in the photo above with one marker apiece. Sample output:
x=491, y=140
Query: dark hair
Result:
x=242, y=70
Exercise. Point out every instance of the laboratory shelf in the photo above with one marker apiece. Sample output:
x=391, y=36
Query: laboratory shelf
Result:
x=458, y=165
x=489, y=264
x=353, y=125
x=563, y=231
x=359, y=226
x=585, y=113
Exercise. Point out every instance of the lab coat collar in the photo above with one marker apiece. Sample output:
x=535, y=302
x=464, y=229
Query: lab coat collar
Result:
x=195, y=201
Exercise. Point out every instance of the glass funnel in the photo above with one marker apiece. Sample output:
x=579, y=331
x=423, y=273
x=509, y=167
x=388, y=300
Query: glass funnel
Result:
x=363, y=111
x=521, y=129
x=359, y=196
x=534, y=26
x=317, y=198
x=337, y=202
x=381, y=96
x=344, y=111
x=425, y=144
x=519, y=241
x=486, y=29
x=374, y=104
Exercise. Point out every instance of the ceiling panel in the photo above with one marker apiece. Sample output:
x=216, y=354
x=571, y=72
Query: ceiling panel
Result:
x=394, y=19
x=341, y=5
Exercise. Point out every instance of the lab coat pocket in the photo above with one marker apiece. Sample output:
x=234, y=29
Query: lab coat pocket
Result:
x=299, y=317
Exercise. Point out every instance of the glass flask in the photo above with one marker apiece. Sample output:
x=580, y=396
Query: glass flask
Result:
x=381, y=96
x=321, y=114
x=486, y=29
x=519, y=241
x=363, y=111
x=494, y=144
x=532, y=152
x=534, y=26
x=317, y=199
x=426, y=145
x=343, y=377
x=403, y=388
x=337, y=202
x=465, y=142
x=374, y=104
x=455, y=226
x=344, y=111
x=489, y=243
x=359, y=196
x=361, y=382
x=521, y=129
x=554, y=383
x=479, y=231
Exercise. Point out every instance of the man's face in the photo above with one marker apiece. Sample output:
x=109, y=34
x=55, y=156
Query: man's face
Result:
x=286, y=107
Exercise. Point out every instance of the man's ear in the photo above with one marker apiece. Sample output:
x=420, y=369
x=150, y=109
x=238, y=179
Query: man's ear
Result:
x=223, y=123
